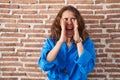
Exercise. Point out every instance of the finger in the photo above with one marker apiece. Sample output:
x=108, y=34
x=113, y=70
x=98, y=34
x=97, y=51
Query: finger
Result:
x=63, y=23
x=75, y=23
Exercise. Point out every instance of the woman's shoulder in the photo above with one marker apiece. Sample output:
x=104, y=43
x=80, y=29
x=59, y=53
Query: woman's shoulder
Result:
x=88, y=41
x=50, y=40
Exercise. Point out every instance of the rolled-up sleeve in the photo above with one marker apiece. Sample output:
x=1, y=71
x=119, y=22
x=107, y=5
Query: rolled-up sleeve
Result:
x=86, y=61
x=42, y=62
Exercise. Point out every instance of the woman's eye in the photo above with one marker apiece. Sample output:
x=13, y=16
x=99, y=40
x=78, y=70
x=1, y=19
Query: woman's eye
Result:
x=73, y=18
x=66, y=19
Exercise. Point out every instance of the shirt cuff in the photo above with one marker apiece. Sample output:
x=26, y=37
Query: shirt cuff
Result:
x=84, y=58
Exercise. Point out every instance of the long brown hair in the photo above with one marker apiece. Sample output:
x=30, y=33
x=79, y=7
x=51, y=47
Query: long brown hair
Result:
x=56, y=28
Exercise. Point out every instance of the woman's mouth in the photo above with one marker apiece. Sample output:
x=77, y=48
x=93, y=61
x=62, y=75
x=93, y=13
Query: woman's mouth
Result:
x=69, y=27
x=69, y=30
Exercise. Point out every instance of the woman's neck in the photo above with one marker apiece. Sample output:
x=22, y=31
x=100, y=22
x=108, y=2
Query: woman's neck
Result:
x=68, y=42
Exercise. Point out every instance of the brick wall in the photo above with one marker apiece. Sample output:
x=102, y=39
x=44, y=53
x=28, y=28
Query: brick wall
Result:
x=24, y=25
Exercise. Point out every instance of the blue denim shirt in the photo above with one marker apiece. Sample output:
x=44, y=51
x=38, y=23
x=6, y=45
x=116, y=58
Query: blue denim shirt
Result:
x=68, y=65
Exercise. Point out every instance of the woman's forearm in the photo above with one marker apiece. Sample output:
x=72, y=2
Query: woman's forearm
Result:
x=53, y=53
x=80, y=48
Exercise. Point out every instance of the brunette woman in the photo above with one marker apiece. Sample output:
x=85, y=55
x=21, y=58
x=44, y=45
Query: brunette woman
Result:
x=69, y=53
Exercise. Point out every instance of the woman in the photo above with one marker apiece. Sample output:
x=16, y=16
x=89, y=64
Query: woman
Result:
x=68, y=54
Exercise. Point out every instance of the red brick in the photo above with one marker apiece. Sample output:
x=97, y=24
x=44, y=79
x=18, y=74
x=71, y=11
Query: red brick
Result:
x=35, y=75
x=9, y=6
x=38, y=35
x=99, y=45
x=24, y=12
x=28, y=60
x=34, y=55
x=51, y=1
x=100, y=1
x=115, y=55
x=100, y=51
x=11, y=64
x=110, y=21
x=9, y=16
x=14, y=55
x=106, y=60
x=99, y=65
x=113, y=6
x=112, y=70
x=113, y=50
x=8, y=59
x=93, y=17
x=55, y=6
x=14, y=74
x=111, y=1
x=94, y=31
x=29, y=70
x=98, y=76
x=33, y=45
x=89, y=7
x=91, y=21
x=28, y=50
x=80, y=2
x=8, y=30
x=17, y=25
x=99, y=35
x=36, y=16
x=112, y=40
x=115, y=76
x=114, y=45
x=42, y=26
x=113, y=16
x=25, y=1
x=30, y=21
x=8, y=78
x=32, y=6
x=8, y=40
x=117, y=60
x=107, y=26
x=32, y=31
x=110, y=65
x=107, y=12
x=31, y=65
x=10, y=44
x=31, y=79
x=85, y=11
x=113, y=36
x=4, y=1
x=101, y=55
x=7, y=69
x=7, y=49
x=13, y=35
x=4, y=11
x=49, y=11
x=32, y=40
x=7, y=21
x=96, y=40
x=113, y=30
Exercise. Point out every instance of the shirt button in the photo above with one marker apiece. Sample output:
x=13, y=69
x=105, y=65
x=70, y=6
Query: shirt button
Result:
x=65, y=71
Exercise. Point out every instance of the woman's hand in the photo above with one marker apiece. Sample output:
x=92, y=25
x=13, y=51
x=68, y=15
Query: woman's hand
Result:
x=63, y=31
x=76, y=36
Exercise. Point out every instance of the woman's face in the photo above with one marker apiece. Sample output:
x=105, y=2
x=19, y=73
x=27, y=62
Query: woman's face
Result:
x=68, y=16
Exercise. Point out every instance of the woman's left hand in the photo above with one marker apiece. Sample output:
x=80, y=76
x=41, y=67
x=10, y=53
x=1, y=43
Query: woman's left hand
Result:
x=76, y=36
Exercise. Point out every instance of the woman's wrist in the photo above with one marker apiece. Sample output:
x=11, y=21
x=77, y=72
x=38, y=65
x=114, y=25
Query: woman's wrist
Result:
x=78, y=41
x=59, y=42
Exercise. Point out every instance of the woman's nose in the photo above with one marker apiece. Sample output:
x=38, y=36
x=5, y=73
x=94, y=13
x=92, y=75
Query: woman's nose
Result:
x=69, y=21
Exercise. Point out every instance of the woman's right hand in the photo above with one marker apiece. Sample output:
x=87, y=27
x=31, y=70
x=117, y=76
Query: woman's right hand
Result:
x=63, y=31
